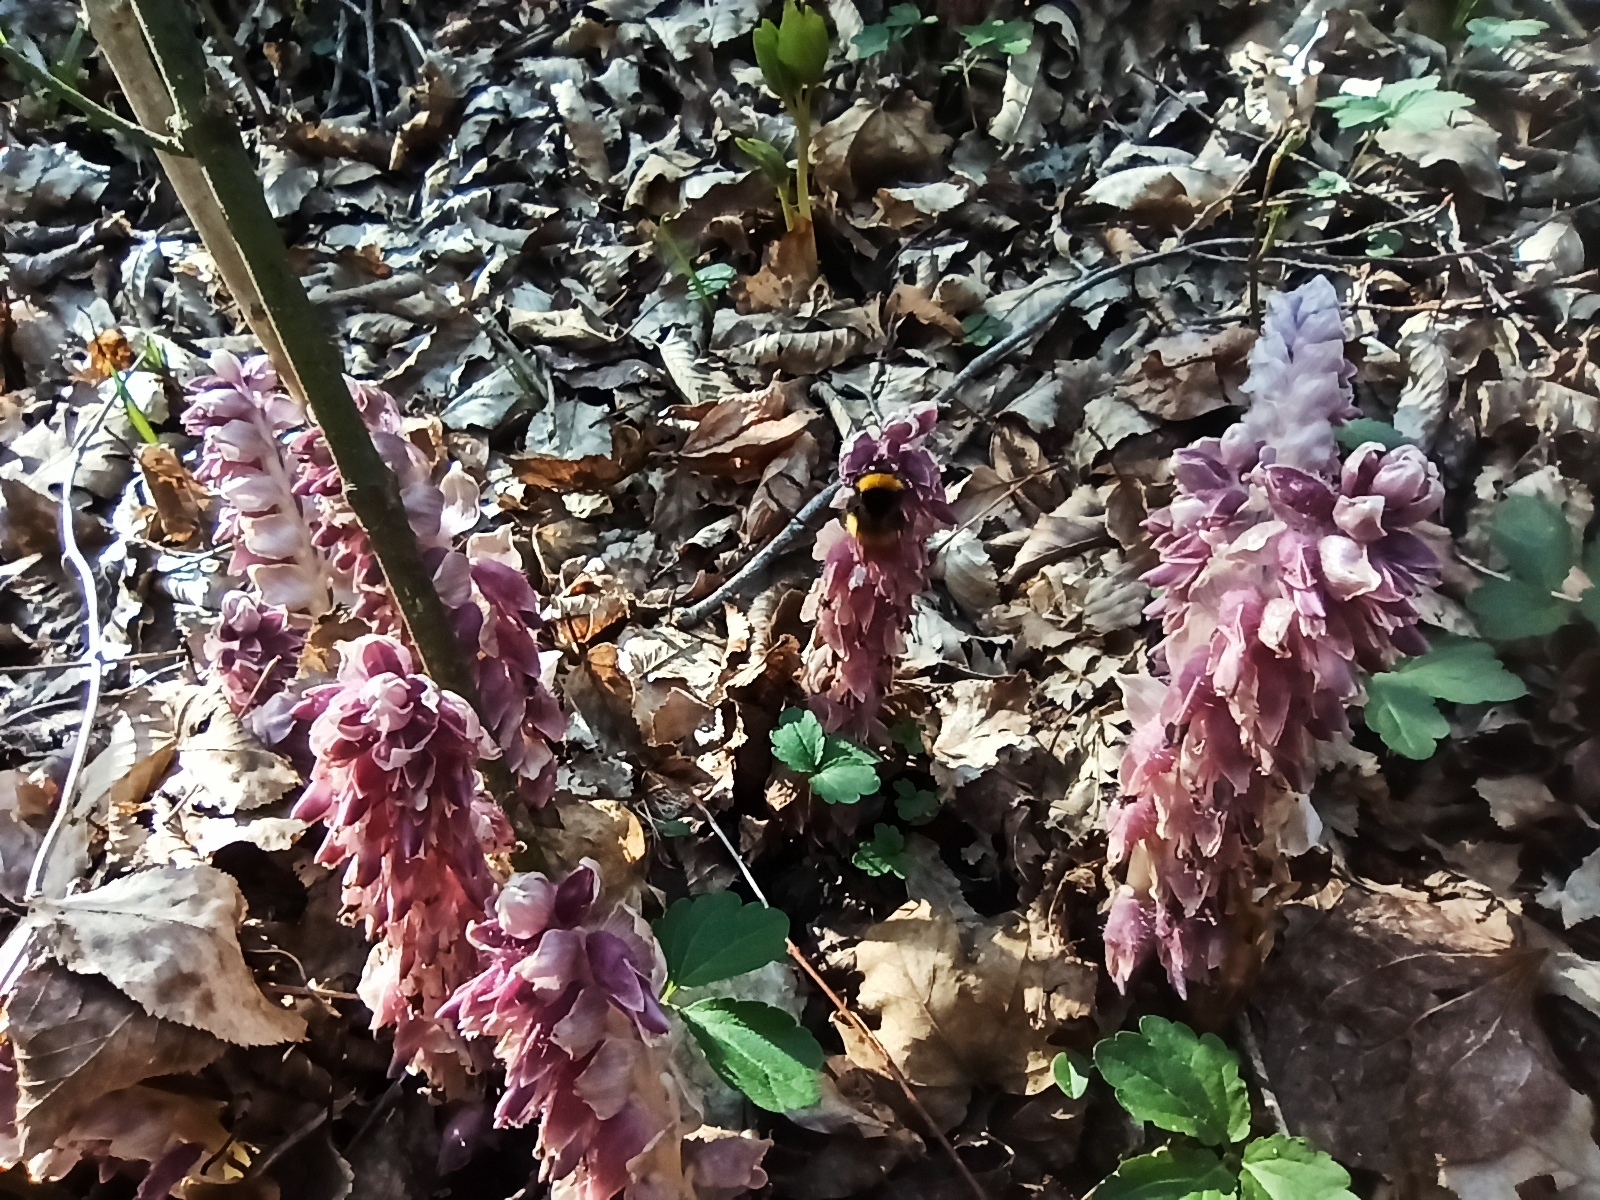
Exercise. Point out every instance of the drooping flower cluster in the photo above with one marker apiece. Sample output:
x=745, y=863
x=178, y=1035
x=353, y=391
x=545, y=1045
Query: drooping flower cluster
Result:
x=874, y=565
x=568, y=995
x=255, y=650
x=394, y=783
x=302, y=548
x=1283, y=575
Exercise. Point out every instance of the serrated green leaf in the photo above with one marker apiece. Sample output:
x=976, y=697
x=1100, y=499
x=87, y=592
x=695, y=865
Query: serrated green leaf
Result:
x=885, y=854
x=1327, y=183
x=803, y=43
x=1170, y=1173
x=1005, y=37
x=717, y=936
x=844, y=782
x=1386, y=243
x=981, y=329
x=1508, y=609
x=760, y=1050
x=798, y=740
x=1462, y=671
x=875, y=39
x=1286, y=1168
x=1406, y=719
x=908, y=737
x=716, y=277
x=1071, y=1073
x=1176, y=1080
x=1364, y=429
x=914, y=805
x=1423, y=112
x=1536, y=540
x=1497, y=33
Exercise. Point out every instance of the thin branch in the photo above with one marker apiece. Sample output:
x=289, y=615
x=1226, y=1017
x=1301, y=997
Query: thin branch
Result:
x=847, y=1014
x=97, y=114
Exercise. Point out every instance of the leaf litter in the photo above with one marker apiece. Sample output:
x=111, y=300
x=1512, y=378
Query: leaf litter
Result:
x=627, y=369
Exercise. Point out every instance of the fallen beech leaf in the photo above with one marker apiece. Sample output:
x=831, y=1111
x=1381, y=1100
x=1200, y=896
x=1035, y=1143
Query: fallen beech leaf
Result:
x=219, y=765
x=1400, y=1033
x=967, y=1004
x=77, y=1038
x=738, y=437
x=872, y=145
x=146, y=1125
x=979, y=719
x=1189, y=374
x=589, y=473
x=168, y=938
x=179, y=498
x=788, y=272
x=109, y=353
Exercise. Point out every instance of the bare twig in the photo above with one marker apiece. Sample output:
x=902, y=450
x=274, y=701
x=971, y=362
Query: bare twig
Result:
x=370, y=21
x=761, y=560
x=292, y=1139
x=97, y=114
x=848, y=1015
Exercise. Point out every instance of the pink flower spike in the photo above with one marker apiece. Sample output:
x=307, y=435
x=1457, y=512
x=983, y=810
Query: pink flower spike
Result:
x=1283, y=576
x=874, y=566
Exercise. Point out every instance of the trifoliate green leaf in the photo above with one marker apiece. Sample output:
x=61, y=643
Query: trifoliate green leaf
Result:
x=1071, y=1073
x=1177, y=1080
x=1460, y=670
x=1536, y=540
x=1002, y=37
x=717, y=936
x=848, y=772
x=1286, y=1168
x=1407, y=720
x=1170, y=1173
x=798, y=740
x=1327, y=183
x=885, y=854
x=915, y=806
x=981, y=329
x=875, y=39
x=1508, y=609
x=1497, y=33
x=1386, y=243
x=760, y=1050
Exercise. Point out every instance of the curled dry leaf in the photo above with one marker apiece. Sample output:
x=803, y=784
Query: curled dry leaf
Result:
x=969, y=1003
x=180, y=499
x=739, y=437
x=168, y=938
x=872, y=145
x=1188, y=374
x=219, y=765
x=145, y=1125
x=76, y=1039
x=1400, y=1033
x=979, y=720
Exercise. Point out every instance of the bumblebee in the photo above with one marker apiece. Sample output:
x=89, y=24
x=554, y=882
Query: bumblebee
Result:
x=876, y=514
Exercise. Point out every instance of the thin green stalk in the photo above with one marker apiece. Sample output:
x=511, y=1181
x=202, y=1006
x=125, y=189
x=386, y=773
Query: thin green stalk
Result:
x=98, y=115
x=802, y=146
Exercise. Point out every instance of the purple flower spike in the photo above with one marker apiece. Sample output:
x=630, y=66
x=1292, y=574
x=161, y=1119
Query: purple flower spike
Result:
x=874, y=565
x=1283, y=577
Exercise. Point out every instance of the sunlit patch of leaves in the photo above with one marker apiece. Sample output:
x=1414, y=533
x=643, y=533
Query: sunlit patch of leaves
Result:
x=1498, y=33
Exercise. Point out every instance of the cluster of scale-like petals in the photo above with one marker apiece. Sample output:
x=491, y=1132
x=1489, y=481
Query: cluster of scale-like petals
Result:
x=395, y=785
x=295, y=533
x=568, y=996
x=1283, y=576
x=244, y=422
x=874, y=565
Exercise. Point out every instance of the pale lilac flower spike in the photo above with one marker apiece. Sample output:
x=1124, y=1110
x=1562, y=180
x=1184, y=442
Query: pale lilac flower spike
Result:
x=872, y=571
x=1283, y=576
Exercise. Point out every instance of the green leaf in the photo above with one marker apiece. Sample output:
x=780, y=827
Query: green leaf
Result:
x=1423, y=112
x=875, y=39
x=1507, y=609
x=907, y=736
x=1460, y=670
x=1176, y=1080
x=716, y=277
x=1386, y=243
x=906, y=17
x=1364, y=429
x=1071, y=1073
x=1170, y=1173
x=915, y=806
x=847, y=772
x=1534, y=536
x=980, y=329
x=1003, y=37
x=674, y=828
x=1496, y=33
x=1352, y=112
x=1413, y=104
x=803, y=43
x=1328, y=183
x=798, y=740
x=1407, y=720
x=765, y=41
x=760, y=1050
x=717, y=936
x=1286, y=1168
x=771, y=161
x=885, y=854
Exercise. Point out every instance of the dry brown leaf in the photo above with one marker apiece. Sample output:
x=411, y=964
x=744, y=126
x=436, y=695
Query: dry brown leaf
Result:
x=872, y=145
x=739, y=437
x=979, y=720
x=1399, y=1033
x=168, y=938
x=591, y=473
x=143, y=1125
x=1188, y=375
x=970, y=1004
x=909, y=300
x=784, y=488
x=180, y=499
x=76, y=1039
x=788, y=273
x=221, y=766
